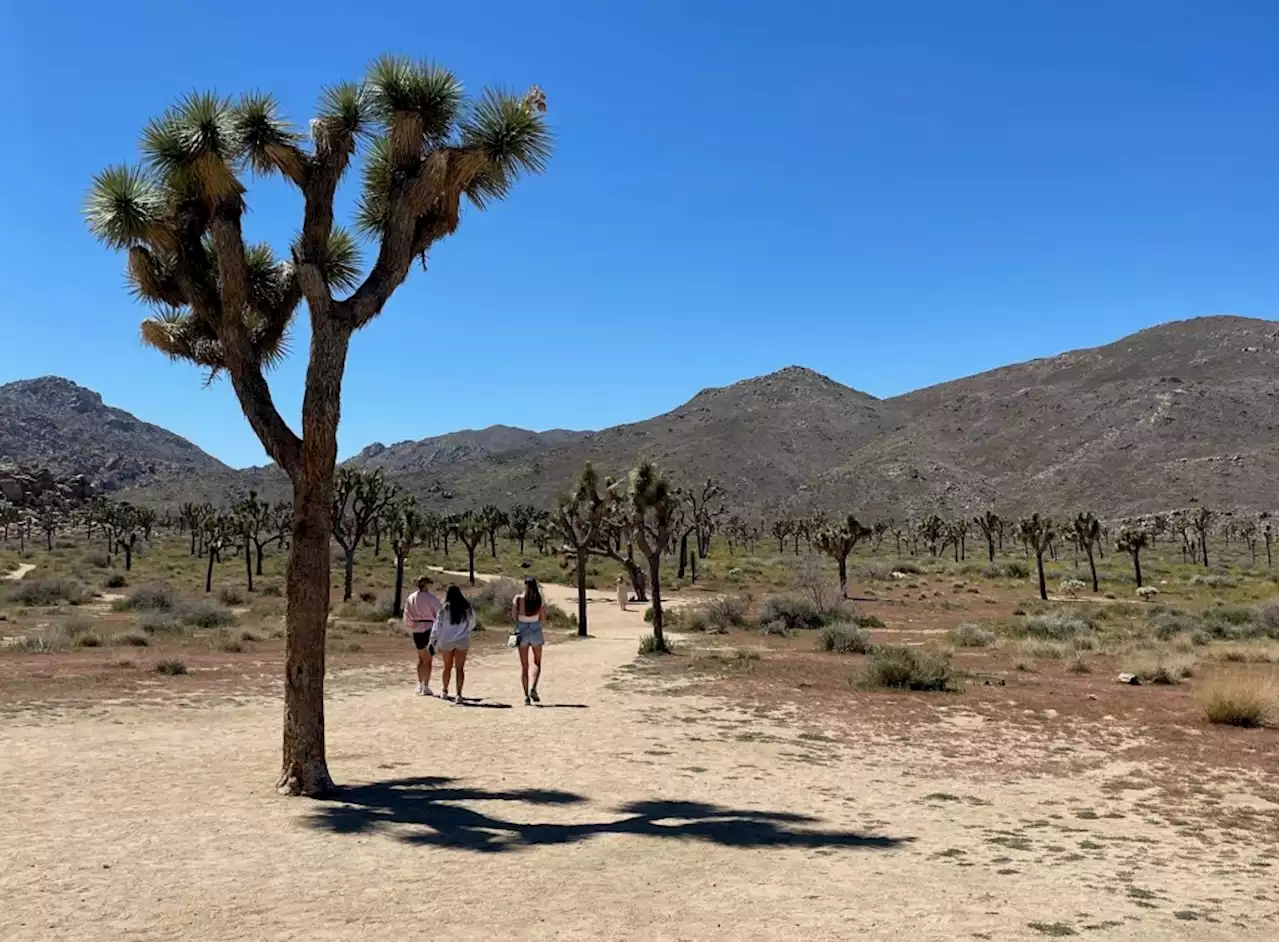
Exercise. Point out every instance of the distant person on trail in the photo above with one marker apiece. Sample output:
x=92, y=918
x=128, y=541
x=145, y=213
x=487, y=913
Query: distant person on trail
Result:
x=420, y=610
x=622, y=592
x=451, y=636
x=528, y=610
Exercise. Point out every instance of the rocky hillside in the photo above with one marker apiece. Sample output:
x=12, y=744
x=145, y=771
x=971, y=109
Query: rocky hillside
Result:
x=51, y=423
x=1167, y=417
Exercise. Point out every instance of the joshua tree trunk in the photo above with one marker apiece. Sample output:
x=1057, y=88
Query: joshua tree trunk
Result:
x=684, y=555
x=248, y=564
x=582, y=593
x=1044, y=595
x=637, y=581
x=471, y=563
x=991, y=550
x=842, y=564
x=193, y=541
x=208, y=571
x=1093, y=569
x=693, y=568
x=399, y=590
x=1204, y=551
x=1137, y=569
x=493, y=544
x=259, y=549
x=348, y=572
x=655, y=563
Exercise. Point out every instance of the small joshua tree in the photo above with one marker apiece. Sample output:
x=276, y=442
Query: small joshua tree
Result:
x=471, y=529
x=1200, y=522
x=1087, y=532
x=359, y=498
x=580, y=519
x=406, y=528
x=494, y=520
x=989, y=523
x=1133, y=539
x=652, y=510
x=838, y=542
x=1037, y=532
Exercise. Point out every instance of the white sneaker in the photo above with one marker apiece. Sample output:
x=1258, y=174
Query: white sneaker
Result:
x=426, y=691
x=420, y=689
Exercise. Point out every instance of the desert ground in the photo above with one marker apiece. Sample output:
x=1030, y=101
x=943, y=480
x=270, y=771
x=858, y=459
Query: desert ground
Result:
x=741, y=788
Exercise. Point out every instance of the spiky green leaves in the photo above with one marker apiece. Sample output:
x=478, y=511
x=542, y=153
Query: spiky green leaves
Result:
x=124, y=207
x=417, y=104
x=341, y=263
x=512, y=134
x=264, y=139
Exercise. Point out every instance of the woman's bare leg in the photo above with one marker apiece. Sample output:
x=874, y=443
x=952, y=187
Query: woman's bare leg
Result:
x=446, y=669
x=524, y=670
x=537, y=665
x=460, y=665
x=424, y=667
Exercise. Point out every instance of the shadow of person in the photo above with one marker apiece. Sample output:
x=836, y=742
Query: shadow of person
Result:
x=433, y=811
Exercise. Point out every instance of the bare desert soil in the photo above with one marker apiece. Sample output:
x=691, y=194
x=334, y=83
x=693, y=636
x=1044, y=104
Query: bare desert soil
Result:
x=635, y=803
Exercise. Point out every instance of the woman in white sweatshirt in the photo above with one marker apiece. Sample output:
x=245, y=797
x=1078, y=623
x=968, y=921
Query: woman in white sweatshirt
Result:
x=451, y=637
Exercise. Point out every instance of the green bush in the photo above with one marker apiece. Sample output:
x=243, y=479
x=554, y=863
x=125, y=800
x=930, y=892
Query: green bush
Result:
x=117, y=580
x=649, y=644
x=969, y=635
x=157, y=597
x=911, y=569
x=271, y=589
x=844, y=638
x=96, y=560
x=726, y=612
x=205, y=613
x=1059, y=625
x=158, y=623
x=77, y=625
x=46, y=592
x=1239, y=701
x=1017, y=570
x=88, y=639
x=794, y=611
x=231, y=595
x=868, y=621
x=134, y=639
x=902, y=668
x=171, y=668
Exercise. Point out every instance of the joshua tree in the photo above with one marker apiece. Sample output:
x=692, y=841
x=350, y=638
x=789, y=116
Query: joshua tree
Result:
x=494, y=520
x=359, y=497
x=1087, y=531
x=406, y=528
x=1200, y=522
x=1247, y=530
x=190, y=516
x=126, y=526
x=989, y=523
x=838, y=542
x=705, y=507
x=471, y=529
x=1037, y=532
x=579, y=520
x=220, y=531
x=228, y=303
x=257, y=523
x=878, y=531
x=1265, y=521
x=1133, y=539
x=932, y=530
x=956, y=531
x=49, y=516
x=521, y=521
x=652, y=511
x=781, y=529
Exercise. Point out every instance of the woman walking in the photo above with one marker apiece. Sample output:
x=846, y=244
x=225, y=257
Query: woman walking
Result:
x=451, y=636
x=420, y=610
x=527, y=607
x=622, y=592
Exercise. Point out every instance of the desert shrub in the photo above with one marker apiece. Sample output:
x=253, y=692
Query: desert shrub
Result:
x=903, y=668
x=969, y=635
x=868, y=621
x=794, y=611
x=778, y=628
x=40, y=644
x=96, y=560
x=1146, y=592
x=1017, y=570
x=1167, y=625
x=874, y=570
x=1039, y=649
x=694, y=619
x=649, y=644
x=158, y=623
x=156, y=597
x=1079, y=664
x=205, y=613
x=844, y=638
x=171, y=668
x=117, y=580
x=77, y=625
x=1267, y=617
x=363, y=611
x=729, y=611
x=249, y=636
x=46, y=592
x=1222, y=622
x=271, y=589
x=133, y=639
x=557, y=617
x=231, y=595
x=87, y=639
x=911, y=569
x=1166, y=672
x=494, y=597
x=1058, y=625
x=1071, y=587
x=1213, y=581
x=231, y=646
x=1239, y=701
x=368, y=597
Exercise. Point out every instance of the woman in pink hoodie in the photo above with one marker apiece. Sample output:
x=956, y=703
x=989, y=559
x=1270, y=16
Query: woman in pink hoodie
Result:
x=420, y=611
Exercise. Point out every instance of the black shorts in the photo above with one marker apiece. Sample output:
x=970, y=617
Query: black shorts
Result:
x=421, y=640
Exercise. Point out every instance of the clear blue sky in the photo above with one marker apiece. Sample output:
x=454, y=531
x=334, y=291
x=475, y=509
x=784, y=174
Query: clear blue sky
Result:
x=894, y=194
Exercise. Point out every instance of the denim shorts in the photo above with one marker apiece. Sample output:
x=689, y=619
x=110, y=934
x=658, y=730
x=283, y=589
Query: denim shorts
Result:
x=529, y=634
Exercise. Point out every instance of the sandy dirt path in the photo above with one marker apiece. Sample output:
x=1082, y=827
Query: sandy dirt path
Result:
x=20, y=572
x=612, y=812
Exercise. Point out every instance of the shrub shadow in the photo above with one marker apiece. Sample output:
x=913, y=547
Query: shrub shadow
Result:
x=432, y=811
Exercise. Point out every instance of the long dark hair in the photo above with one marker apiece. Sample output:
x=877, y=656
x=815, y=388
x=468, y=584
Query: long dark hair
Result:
x=532, y=597
x=457, y=605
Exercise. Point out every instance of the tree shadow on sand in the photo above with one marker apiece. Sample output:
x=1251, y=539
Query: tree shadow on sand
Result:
x=431, y=811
